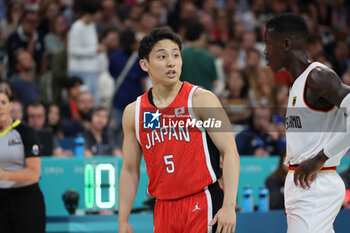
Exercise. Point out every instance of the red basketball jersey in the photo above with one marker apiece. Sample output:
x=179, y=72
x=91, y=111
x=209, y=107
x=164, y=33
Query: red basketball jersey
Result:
x=181, y=159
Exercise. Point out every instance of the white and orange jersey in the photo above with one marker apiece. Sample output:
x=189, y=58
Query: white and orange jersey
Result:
x=181, y=160
x=308, y=130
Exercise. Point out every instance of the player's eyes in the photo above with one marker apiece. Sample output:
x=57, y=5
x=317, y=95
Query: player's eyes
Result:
x=161, y=56
x=176, y=55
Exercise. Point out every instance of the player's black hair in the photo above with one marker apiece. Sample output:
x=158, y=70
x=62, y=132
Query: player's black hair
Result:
x=147, y=43
x=289, y=24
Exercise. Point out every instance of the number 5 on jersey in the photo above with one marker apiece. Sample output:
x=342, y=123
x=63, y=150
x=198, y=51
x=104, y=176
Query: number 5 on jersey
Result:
x=170, y=168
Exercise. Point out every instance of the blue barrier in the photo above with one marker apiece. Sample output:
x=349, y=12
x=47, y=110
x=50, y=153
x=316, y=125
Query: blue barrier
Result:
x=269, y=222
x=61, y=174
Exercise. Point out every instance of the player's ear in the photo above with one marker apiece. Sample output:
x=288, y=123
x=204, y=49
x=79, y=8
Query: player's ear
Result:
x=287, y=44
x=144, y=65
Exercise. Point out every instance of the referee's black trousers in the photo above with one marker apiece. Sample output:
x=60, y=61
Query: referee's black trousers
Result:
x=22, y=210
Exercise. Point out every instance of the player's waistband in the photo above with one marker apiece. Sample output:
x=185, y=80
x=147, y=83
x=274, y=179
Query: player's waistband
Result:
x=211, y=187
x=324, y=169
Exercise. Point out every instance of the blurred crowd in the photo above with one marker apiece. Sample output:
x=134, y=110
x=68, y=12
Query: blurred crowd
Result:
x=72, y=65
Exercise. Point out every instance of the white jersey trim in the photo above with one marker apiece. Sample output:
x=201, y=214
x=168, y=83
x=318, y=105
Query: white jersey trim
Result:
x=210, y=209
x=137, y=118
x=204, y=136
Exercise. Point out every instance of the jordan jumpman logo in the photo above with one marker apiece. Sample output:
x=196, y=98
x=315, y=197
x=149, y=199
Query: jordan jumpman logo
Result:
x=196, y=208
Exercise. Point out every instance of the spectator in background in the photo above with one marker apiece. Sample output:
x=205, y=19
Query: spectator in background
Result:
x=17, y=110
x=27, y=38
x=235, y=98
x=2, y=70
x=346, y=77
x=54, y=124
x=158, y=9
x=69, y=110
x=24, y=86
x=315, y=47
x=248, y=43
x=59, y=70
x=55, y=39
x=109, y=18
x=252, y=62
x=220, y=31
x=255, y=17
x=279, y=104
x=97, y=138
x=146, y=24
x=228, y=59
x=132, y=84
x=110, y=39
x=10, y=23
x=83, y=47
x=275, y=184
x=340, y=60
x=261, y=86
x=198, y=64
x=261, y=139
x=36, y=118
x=85, y=103
x=183, y=11
x=236, y=29
x=48, y=14
x=8, y=87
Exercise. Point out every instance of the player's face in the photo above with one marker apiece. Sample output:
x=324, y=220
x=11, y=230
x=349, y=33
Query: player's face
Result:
x=273, y=50
x=164, y=63
x=5, y=109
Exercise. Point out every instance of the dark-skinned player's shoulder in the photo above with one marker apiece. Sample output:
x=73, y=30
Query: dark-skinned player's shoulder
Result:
x=324, y=82
x=322, y=77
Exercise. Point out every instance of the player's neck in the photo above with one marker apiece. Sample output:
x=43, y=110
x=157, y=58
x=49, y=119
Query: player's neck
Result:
x=164, y=95
x=297, y=64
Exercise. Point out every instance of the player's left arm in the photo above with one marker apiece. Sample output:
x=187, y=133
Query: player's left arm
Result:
x=207, y=105
x=325, y=84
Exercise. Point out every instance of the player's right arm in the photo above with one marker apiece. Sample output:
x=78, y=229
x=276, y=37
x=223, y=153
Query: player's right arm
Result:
x=130, y=173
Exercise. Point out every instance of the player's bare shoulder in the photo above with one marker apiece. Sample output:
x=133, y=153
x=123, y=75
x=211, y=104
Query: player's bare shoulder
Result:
x=129, y=116
x=322, y=78
x=324, y=82
x=205, y=98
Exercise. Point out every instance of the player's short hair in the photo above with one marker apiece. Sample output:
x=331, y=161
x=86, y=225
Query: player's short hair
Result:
x=147, y=43
x=289, y=24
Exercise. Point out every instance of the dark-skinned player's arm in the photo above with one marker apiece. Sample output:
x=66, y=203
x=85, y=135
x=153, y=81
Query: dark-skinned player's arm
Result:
x=323, y=83
x=206, y=105
x=130, y=173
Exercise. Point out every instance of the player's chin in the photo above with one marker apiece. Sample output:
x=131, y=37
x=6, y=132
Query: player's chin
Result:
x=273, y=67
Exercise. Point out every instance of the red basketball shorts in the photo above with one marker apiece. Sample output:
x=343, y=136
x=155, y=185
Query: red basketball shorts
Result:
x=191, y=214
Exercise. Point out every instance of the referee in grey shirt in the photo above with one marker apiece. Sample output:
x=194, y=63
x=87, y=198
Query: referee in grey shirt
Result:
x=22, y=207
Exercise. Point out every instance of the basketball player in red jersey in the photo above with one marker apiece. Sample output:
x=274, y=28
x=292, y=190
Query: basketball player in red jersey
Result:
x=182, y=156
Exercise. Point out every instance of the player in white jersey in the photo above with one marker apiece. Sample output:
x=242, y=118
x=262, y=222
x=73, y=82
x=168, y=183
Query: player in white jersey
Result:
x=317, y=129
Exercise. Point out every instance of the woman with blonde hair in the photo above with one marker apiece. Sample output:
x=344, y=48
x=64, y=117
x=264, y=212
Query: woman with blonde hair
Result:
x=261, y=86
